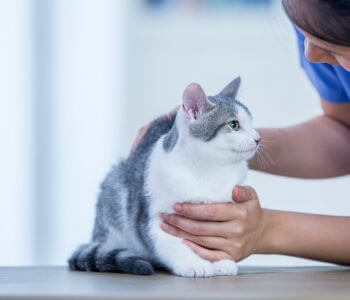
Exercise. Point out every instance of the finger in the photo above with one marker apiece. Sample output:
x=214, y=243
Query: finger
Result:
x=199, y=228
x=211, y=255
x=209, y=212
x=172, y=113
x=208, y=242
x=243, y=193
x=139, y=137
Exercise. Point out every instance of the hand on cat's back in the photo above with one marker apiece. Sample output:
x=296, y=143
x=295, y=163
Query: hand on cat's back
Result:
x=221, y=231
x=143, y=130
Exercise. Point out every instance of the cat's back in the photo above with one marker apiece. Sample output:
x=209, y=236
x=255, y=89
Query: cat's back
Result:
x=111, y=202
x=154, y=132
x=128, y=172
x=122, y=196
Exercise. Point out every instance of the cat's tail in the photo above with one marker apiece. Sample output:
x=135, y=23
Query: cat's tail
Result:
x=88, y=258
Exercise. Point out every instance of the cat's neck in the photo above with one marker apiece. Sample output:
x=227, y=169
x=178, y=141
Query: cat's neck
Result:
x=189, y=153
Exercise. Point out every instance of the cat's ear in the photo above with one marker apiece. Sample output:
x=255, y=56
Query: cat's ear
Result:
x=195, y=102
x=231, y=89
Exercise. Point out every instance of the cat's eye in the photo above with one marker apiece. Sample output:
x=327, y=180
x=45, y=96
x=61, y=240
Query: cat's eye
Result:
x=234, y=125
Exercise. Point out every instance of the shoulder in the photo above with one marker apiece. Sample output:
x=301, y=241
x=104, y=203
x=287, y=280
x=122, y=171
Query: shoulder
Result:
x=331, y=82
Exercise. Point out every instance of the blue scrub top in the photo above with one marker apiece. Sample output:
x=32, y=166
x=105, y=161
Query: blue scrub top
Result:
x=332, y=83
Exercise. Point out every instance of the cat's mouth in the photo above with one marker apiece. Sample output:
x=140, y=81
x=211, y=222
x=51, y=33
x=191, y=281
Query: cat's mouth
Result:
x=245, y=151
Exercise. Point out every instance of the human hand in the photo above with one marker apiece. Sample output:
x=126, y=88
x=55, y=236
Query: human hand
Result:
x=143, y=130
x=221, y=231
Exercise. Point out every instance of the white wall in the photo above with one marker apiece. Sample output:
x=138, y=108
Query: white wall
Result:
x=78, y=79
x=61, y=90
x=16, y=151
x=87, y=110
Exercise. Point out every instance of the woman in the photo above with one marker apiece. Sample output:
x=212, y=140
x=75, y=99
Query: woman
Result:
x=319, y=148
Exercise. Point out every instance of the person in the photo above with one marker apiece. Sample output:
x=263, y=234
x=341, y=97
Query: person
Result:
x=318, y=148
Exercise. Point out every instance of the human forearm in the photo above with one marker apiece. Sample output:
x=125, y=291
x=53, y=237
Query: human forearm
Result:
x=315, y=149
x=318, y=237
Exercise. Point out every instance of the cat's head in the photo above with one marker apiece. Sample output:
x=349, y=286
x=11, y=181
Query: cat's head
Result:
x=219, y=127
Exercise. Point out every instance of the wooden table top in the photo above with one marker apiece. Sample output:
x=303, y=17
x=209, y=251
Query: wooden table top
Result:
x=251, y=283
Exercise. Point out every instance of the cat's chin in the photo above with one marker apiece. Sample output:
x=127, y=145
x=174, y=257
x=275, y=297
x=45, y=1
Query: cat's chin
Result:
x=244, y=155
x=244, y=151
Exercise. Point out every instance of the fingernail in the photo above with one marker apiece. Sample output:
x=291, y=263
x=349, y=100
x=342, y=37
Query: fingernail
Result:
x=164, y=226
x=242, y=193
x=187, y=243
x=236, y=191
x=164, y=216
x=177, y=207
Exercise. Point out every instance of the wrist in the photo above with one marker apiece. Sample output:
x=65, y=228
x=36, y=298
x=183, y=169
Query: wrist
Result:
x=268, y=242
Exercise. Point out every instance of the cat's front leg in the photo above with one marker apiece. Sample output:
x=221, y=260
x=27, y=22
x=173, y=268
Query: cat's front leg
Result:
x=177, y=257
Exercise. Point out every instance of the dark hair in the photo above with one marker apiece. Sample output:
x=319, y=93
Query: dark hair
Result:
x=328, y=20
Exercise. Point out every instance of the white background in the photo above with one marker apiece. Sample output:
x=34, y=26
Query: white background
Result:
x=79, y=77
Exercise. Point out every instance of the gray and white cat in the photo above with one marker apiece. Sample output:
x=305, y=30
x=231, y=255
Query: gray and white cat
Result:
x=198, y=156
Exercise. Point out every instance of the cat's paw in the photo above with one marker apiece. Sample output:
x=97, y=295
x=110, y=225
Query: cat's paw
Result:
x=202, y=269
x=225, y=267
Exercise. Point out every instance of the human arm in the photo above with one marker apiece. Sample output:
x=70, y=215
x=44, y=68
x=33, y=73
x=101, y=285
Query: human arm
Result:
x=318, y=148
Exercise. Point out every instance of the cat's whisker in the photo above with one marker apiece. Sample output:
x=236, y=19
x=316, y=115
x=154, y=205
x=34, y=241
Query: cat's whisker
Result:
x=266, y=163
x=266, y=155
x=268, y=141
x=265, y=139
x=258, y=155
x=259, y=159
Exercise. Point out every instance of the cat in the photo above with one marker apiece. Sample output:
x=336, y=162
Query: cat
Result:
x=196, y=156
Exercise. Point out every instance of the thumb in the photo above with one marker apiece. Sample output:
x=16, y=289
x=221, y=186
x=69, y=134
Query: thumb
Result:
x=242, y=194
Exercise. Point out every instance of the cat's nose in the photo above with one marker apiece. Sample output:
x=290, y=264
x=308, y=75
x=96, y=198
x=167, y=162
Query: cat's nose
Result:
x=257, y=141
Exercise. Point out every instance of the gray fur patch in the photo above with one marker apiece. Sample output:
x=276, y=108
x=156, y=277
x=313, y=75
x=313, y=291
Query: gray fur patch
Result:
x=231, y=102
x=208, y=127
x=170, y=139
x=245, y=108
